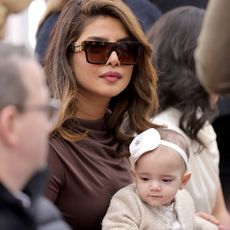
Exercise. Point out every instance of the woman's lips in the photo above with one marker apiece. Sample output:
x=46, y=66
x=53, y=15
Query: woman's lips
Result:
x=111, y=76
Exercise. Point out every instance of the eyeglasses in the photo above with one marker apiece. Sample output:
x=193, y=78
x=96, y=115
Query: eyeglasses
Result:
x=50, y=109
x=98, y=52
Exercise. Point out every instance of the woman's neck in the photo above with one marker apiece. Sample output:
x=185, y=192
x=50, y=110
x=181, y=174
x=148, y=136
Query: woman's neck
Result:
x=91, y=109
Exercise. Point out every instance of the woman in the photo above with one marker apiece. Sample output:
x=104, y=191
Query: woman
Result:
x=185, y=105
x=99, y=66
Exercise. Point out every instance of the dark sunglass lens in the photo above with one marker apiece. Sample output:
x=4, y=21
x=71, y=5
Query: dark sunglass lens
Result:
x=97, y=52
x=128, y=53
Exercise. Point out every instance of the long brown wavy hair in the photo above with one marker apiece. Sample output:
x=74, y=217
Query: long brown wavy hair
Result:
x=138, y=102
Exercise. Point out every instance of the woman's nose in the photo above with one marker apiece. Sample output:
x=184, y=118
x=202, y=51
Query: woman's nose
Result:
x=113, y=59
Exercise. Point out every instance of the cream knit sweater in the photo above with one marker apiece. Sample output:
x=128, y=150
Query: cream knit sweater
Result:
x=128, y=212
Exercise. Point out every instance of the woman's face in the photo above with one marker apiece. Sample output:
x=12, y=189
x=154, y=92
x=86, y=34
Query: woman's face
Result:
x=101, y=80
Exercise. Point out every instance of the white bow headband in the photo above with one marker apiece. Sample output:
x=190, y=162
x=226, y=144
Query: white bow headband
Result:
x=150, y=140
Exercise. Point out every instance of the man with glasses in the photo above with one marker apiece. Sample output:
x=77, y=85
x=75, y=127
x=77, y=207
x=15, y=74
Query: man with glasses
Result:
x=26, y=117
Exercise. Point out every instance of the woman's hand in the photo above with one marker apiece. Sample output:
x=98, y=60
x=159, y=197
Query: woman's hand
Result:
x=209, y=218
x=223, y=227
x=213, y=220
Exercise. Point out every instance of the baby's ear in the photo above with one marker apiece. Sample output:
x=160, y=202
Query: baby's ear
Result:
x=185, y=179
x=133, y=173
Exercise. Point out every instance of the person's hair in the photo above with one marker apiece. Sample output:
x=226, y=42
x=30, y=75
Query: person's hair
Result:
x=12, y=88
x=174, y=38
x=174, y=137
x=139, y=100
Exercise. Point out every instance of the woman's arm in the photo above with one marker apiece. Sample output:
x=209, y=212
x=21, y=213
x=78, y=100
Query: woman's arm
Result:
x=220, y=210
x=56, y=177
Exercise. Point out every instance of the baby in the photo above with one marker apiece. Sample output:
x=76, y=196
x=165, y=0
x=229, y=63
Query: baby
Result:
x=156, y=199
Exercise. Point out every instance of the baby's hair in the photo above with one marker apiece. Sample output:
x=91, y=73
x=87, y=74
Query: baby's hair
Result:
x=174, y=137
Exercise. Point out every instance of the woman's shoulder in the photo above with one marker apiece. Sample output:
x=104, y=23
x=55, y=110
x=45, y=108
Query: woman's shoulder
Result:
x=169, y=118
x=57, y=145
x=170, y=115
x=207, y=133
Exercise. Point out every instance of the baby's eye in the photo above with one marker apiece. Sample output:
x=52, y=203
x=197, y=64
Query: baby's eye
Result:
x=144, y=178
x=167, y=180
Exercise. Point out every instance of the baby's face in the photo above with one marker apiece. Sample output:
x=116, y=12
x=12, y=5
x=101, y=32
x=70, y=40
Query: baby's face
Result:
x=159, y=174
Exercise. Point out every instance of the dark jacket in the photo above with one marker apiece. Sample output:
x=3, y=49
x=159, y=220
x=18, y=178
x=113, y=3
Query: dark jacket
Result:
x=41, y=215
x=166, y=5
x=12, y=213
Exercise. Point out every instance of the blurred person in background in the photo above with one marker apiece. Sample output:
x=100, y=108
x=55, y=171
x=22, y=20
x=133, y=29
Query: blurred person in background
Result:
x=8, y=7
x=212, y=57
x=166, y=5
x=186, y=106
x=25, y=122
x=212, y=54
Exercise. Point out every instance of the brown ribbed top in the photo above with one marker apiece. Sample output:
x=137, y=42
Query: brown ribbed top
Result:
x=85, y=174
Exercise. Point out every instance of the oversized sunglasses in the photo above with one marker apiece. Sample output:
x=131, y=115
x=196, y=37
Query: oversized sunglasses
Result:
x=98, y=52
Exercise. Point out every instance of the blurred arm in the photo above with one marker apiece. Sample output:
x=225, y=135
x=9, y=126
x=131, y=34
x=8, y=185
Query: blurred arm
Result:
x=15, y=6
x=213, y=51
